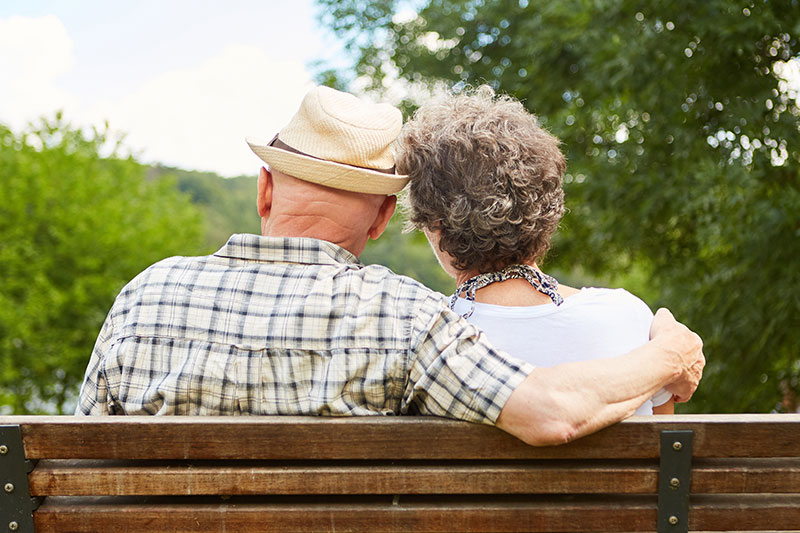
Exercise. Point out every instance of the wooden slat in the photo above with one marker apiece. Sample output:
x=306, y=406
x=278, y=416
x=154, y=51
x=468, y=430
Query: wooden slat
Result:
x=756, y=512
x=551, y=513
x=385, y=438
x=90, y=478
x=418, y=514
x=115, y=478
x=731, y=476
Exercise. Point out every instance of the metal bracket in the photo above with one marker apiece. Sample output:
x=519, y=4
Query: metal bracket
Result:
x=16, y=504
x=674, y=481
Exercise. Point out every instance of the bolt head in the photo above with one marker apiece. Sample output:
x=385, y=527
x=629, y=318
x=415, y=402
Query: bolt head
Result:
x=13, y=526
x=677, y=446
x=8, y=487
x=674, y=483
x=673, y=520
x=3, y=449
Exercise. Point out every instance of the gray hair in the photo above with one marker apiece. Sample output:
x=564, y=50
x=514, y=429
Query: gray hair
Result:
x=486, y=175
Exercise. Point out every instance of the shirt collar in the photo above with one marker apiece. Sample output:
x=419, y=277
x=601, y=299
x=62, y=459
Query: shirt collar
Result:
x=285, y=250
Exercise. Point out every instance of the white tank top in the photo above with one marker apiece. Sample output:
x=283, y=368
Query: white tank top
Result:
x=592, y=324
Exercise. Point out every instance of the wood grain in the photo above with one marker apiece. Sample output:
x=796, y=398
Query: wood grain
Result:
x=283, y=438
x=410, y=513
x=87, y=478
x=418, y=514
x=753, y=512
x=749, y=476
x=115, y=478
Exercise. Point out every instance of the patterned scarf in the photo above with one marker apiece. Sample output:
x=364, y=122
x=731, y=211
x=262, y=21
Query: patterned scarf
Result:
x=539, y=280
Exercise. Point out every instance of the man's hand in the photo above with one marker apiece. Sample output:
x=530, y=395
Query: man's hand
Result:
x=685, y=348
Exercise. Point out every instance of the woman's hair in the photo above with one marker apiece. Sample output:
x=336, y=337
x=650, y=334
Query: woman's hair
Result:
x=486, y=175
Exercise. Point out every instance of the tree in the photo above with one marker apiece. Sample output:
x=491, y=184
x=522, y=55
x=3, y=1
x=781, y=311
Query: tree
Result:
x=75, y=226
x=680, y=122
x=408, y=254
x=228, y=204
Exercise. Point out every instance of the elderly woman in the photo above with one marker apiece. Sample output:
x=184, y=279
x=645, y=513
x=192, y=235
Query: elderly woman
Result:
x=486, y=190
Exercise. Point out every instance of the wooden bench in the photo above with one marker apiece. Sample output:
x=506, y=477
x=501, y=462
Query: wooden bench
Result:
x=701, y=472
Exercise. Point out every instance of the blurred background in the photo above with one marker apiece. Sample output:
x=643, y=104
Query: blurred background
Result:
x=121, y=143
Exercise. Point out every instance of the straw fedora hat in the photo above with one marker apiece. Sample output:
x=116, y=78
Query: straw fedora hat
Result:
x=338, y=141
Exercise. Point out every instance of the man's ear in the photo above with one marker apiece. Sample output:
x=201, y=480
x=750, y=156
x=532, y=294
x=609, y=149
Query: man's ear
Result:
x=264, y=199
x=384, y=214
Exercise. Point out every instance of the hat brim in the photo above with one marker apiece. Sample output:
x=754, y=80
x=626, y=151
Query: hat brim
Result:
x=328, y=173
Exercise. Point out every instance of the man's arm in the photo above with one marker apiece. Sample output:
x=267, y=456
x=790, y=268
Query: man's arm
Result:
x=559, y=404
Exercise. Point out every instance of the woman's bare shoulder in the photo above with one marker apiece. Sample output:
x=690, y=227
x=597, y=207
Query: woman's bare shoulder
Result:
x=567, y=291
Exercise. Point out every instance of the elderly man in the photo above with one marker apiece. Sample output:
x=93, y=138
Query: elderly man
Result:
x=292, y=323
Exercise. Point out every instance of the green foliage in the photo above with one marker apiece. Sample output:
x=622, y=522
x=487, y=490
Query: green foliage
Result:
x=228, y=204
x=408, y=254
x=681, y=137
x=75, y=226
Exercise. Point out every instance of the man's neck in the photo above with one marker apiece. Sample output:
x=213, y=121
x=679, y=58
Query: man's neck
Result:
x=291, y=207
x=314, y=227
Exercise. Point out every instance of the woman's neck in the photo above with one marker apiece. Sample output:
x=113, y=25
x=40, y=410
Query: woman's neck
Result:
x=512, y=292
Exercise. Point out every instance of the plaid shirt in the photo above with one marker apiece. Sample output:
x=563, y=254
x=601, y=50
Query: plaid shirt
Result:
x=290, y=326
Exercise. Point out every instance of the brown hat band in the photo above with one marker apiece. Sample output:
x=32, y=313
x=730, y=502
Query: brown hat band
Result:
x=277, y=143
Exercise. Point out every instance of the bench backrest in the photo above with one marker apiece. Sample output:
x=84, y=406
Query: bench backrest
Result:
x=698, y=472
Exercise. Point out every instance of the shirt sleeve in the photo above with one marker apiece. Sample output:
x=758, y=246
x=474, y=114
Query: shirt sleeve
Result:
x=661, y=397
x=455, y=372
x=93, y=397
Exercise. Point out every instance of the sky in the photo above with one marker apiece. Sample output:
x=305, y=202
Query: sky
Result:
x=185, y=81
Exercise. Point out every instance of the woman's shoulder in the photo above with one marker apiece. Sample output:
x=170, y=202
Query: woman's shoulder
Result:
x=620, y=299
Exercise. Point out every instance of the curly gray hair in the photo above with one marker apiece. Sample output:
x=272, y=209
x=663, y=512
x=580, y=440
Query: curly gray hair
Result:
x=486, y=175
